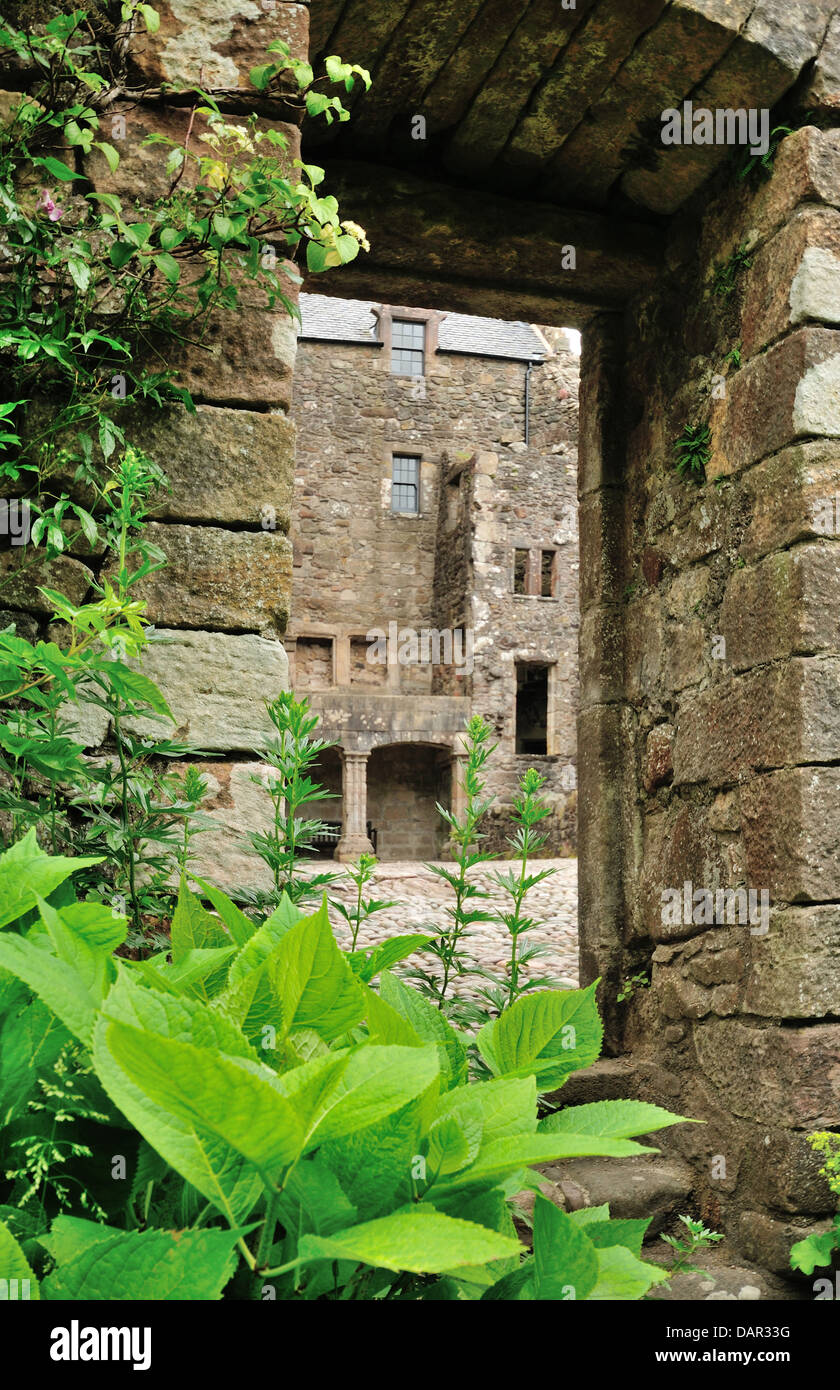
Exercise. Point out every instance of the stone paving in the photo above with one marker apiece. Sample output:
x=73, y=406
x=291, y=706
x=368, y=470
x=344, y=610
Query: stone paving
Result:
x=421, y=898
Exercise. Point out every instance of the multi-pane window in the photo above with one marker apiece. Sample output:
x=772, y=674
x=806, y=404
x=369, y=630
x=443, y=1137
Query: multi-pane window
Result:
x=408, y=348
x=405, y=483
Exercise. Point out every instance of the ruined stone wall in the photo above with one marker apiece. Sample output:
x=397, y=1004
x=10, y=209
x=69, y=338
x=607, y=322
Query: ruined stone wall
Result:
x=358, y=566
x=709, y=733
x=221, y=604
x=525, y=498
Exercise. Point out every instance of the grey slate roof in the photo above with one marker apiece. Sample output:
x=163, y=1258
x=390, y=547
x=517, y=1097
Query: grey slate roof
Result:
x=353, y=321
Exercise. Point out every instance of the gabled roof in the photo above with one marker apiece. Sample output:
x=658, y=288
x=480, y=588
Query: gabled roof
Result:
x=354, y=321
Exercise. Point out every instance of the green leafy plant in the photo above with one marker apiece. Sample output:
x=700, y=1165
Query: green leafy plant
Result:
x=692, y=452
x=631, y=985
x=310, y=1132
x=727, y=272
x=529, y=809
x=99, y=289
x=290, y=757
x=761, y=165
x=465, y=838
x=699, y=1237
x=361, y=874
x=820, y=1249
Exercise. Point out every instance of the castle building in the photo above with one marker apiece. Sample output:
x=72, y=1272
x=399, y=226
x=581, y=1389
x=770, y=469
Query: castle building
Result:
x=435, y=565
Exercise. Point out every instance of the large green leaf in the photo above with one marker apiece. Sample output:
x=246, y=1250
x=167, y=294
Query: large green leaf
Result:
x=622, y=1276
x=374, y=1082
x=368, y=964
x=421, y=1241
x=429, y=1024
x=548, y=1034
x=375, y=1165
x=312, y=981
x=14, y=1265
x=565, y=1260
x=503, y=1156
x=126, y=1266
x=211, y=1092
x=62, y=988
x=27, y=873
x=503, y=1108
x=193, y=928
x=238, y=925
x=212, y=1166
x=79, y=949
x=611, y=1119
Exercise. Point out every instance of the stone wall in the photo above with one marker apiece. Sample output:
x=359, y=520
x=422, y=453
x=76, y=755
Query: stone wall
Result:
x=709, y=644
x=359, y=566
x=221, y=605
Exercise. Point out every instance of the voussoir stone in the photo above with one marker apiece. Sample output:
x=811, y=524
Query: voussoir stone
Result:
x=215, y=684
x=230, y=580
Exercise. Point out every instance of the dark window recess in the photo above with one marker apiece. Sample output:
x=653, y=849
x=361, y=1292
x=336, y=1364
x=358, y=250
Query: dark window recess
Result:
x=405, y=483
x=408, y=348
x=520, y=571
x=547, y=574
x=531, y=709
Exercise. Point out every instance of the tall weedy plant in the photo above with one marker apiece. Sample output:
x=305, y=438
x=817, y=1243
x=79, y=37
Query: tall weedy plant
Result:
x=464, y=837
x=529, y=809
x=291, y=755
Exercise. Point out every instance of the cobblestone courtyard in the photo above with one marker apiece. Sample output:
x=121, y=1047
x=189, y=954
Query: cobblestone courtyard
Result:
x=421, y=897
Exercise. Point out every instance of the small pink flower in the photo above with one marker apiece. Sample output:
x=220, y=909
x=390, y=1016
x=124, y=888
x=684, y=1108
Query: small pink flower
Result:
x=52, y=209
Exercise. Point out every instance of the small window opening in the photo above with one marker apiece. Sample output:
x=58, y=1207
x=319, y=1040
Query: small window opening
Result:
x=405, y=483
x=520, y=571
x=408, y=348
x=531, y=709
x=548, y=571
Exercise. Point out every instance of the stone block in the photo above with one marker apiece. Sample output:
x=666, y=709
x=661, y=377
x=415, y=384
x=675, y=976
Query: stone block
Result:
x=787, y=1076
x=20, y=581
x=788, y=393
x=600, y=656
x=599, y=832
x=787, y=605
x=791, y=827
x=244, y=357
x=648, y=1186
x=794, y=496
x=794, y=279
x=141, y=177
x=224, y=466
x=768, y=1241
x=763, y=719
x=601, y=523
x=659, y=766
x=215, y=43
x=795, y=969
x=230, y=580
x=702, y=976
x=678, y=847
x=236, y=806
x=215, y=684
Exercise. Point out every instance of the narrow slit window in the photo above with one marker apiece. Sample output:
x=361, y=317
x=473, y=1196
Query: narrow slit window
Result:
x=547, y=573
x=405, y=483
x=520, y=571
x=408, y=348
x=531, y=709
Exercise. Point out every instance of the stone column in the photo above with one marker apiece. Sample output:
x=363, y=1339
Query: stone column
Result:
x=458, y=792
x=354, y=840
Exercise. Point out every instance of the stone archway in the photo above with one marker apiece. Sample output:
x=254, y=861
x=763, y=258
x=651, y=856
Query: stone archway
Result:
x=404, y=783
